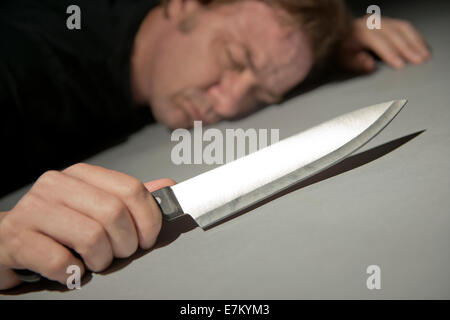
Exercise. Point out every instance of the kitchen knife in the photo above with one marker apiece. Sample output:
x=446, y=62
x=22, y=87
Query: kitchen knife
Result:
x=219, y=193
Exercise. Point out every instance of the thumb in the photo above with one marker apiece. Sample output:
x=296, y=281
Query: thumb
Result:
x=159, y=184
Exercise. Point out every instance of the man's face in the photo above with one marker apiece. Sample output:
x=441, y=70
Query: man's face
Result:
x=224, y=62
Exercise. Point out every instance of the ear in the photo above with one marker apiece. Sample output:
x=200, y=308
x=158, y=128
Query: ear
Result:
x=178, y=10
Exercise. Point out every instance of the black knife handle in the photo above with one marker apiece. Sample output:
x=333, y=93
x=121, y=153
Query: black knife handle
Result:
x=170, y=209
x=168, y=203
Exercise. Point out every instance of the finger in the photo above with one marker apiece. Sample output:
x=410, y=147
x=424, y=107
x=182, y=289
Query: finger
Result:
x=101, y=206
x=75, y=230
x=414, y=39
x=158, y=184
x=139, y=201
x=402, y=45
x=386, y=50
x=8, y=278
x=45, y=256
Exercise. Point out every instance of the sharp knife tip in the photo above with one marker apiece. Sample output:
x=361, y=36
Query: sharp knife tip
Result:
x=398, y=104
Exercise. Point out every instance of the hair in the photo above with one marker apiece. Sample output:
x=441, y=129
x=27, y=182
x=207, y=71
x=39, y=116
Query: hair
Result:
x=326, y=22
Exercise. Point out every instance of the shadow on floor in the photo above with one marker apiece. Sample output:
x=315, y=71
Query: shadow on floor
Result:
x=347, y=164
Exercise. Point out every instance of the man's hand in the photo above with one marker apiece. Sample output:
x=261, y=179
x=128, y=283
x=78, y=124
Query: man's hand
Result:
x=99, y=213
x=396, y=43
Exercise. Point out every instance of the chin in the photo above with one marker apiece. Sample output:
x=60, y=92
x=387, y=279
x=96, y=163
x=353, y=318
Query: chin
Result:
x=176, y=119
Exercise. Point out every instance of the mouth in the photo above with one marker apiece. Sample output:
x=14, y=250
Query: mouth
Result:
x=192, y=111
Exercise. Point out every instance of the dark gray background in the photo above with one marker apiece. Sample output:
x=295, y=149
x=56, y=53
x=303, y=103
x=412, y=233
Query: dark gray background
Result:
x=389, y=205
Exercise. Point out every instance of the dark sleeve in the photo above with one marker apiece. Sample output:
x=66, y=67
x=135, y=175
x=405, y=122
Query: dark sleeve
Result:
x=56, y=108
x=21, y=82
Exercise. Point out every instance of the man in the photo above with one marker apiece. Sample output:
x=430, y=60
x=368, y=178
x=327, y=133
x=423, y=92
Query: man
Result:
x=187, y=60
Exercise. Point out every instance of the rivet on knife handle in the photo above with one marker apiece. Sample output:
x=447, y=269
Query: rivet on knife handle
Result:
x=168, y=203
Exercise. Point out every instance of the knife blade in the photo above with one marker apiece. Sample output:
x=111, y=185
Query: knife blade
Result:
x=219, y=193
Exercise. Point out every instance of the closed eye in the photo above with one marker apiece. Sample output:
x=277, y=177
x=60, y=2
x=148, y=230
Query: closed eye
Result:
x=235, y=65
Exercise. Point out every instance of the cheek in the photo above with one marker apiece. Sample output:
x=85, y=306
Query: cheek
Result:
x=170, y=115
x=184, y=62
x=166, y=68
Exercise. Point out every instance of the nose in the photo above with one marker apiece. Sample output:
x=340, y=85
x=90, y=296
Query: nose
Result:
x=231, y=94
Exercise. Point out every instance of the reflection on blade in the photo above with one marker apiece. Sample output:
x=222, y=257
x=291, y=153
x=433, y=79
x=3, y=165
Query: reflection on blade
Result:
x=217, y=194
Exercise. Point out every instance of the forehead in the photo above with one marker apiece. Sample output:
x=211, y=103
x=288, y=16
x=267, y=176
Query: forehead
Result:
x=281, y=53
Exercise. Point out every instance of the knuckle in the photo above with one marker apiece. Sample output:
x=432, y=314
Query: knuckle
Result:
x=133, y=188
x=114, y=211
x=49, y=177
x=76, y=167
x=30, y=202
x=95, y=234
